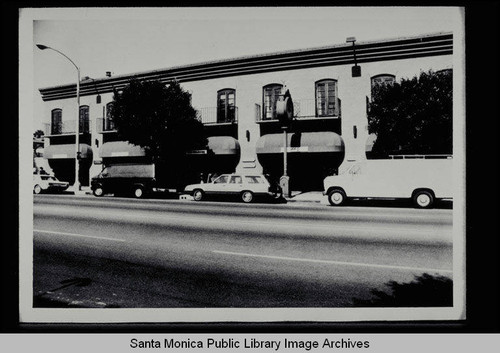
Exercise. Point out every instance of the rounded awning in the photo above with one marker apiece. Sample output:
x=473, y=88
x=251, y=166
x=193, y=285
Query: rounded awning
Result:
x=223, y=145
x=66, y=151
x=306, y=142
x=121, y=149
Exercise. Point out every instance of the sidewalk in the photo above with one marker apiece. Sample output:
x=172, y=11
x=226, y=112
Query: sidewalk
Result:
x=85, y=190
x=296, y=196
x=310, y=196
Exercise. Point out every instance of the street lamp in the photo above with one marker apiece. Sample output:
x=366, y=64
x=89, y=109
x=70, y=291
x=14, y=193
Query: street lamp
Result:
x=77, y=129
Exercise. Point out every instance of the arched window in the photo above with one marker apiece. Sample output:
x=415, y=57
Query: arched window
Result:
x=108, y=122
x=270, y=95
x=382, y=80
x=56, y=122
x=226, y=105
x=326, y=98
x=84, y=118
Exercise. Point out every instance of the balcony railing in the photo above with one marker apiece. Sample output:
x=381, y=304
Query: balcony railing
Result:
x=214, y=115
x=66, y=127
x=105, y=125
x=302, y=109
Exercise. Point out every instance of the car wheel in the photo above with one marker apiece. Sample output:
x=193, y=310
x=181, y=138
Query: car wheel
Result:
x=423, y=199
x=98, y=191
x=247, y=196
x=138, y=192
x=336, y=197
x=37, y=189
x=198, y=195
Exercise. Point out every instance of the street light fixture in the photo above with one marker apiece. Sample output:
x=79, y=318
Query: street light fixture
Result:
x=355, y=70
x=77, y=123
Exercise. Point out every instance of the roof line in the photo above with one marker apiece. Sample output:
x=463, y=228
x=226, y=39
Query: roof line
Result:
x=249, y=57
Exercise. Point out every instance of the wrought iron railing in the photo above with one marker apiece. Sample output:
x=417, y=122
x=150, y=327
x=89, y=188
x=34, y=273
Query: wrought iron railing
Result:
x=66, y=127
x=105, y=125
x=302, y=109
x=214, y=115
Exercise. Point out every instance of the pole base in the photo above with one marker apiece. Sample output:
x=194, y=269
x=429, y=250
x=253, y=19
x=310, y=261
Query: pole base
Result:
x=285, y=185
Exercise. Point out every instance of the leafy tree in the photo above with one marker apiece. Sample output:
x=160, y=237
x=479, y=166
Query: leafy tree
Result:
x=38, y=134
x=413, y=116
x=160, y=119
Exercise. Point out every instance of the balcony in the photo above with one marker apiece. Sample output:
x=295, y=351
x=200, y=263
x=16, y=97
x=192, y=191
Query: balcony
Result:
x=213, y=115
x=303, y=109
x=66, y=128
x=105, y=125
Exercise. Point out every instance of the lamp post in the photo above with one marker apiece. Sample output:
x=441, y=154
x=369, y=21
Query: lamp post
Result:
x=77, y=124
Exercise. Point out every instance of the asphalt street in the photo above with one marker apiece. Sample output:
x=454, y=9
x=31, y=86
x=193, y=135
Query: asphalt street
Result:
x=117, y=252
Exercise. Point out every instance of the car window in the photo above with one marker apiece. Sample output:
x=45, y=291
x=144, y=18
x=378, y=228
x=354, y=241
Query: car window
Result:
x=221, y=180
x=47, y=177
x=235, y=179
x=253, y=179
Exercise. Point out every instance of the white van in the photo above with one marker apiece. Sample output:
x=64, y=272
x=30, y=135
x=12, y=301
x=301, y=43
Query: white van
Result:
x=421, y=179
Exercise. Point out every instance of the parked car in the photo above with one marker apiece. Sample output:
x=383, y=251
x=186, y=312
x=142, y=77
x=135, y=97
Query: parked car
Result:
x=48, y=183
x=134, y=179
x=247, y=187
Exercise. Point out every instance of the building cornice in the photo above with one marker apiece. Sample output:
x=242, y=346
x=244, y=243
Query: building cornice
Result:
x=393, y=49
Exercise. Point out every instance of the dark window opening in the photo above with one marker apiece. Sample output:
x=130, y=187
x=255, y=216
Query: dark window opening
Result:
x=326, y=98
x=271, y=94
x=84, y=119
x=56, y=122
x=226, y=105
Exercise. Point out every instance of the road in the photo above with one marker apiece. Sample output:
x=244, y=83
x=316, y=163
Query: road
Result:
x=117, y=252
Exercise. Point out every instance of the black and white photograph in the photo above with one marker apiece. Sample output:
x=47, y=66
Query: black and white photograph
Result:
x=242, y=165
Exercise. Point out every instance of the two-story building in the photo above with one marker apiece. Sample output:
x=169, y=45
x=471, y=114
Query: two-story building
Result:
x=236, y=101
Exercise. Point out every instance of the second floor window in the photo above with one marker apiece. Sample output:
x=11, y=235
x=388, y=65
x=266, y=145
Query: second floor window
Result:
x=108, y=122
x=271, y=94
x=56, y=122
x=381, y=80
x=84, y=118
x=226, y=105
x=326, y=98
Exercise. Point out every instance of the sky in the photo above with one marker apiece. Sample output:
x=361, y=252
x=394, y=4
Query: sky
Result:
x=125, y=40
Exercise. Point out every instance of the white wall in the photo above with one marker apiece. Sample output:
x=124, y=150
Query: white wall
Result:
x=301, y=83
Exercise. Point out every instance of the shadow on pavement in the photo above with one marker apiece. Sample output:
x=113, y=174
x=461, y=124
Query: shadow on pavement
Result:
x=423, y=291
x=401, y=203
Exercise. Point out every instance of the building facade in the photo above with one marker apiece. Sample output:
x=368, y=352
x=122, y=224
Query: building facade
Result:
x=236, y=102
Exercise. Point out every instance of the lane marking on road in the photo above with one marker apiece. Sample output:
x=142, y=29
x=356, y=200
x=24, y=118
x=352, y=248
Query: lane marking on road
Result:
x=78, y=235
x=445, y=230
x=333, y=262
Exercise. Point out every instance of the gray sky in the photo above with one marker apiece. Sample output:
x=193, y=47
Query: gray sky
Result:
x=130, y=40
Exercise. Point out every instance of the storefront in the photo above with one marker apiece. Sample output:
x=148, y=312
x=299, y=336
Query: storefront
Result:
x=311, y=156
x=61, y=160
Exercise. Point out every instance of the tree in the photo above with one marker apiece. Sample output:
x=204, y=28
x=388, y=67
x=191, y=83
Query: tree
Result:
x=413, y=116
x=160, y=119
x=38, y=134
